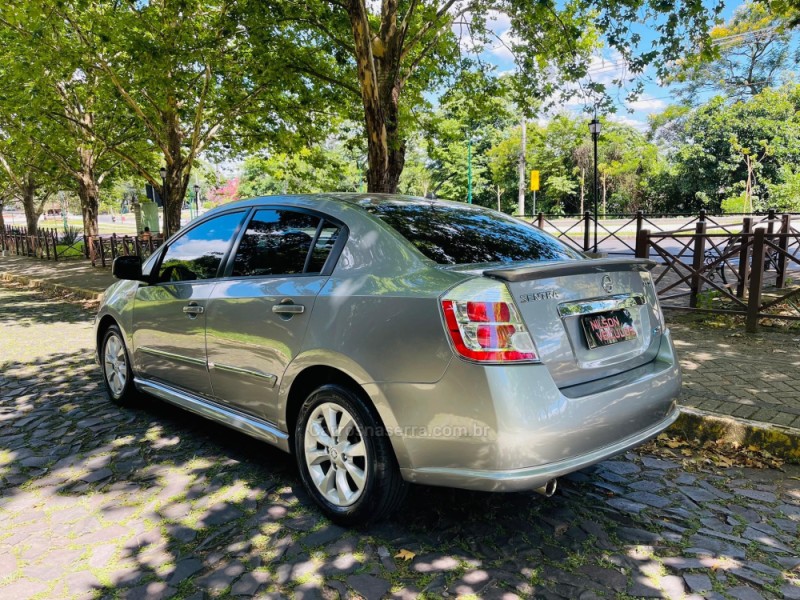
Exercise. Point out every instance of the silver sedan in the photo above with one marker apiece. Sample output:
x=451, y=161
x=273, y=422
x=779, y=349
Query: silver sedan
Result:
x=385, y=340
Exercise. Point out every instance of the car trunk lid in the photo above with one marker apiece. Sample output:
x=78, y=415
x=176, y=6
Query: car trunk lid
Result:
x=589, y=319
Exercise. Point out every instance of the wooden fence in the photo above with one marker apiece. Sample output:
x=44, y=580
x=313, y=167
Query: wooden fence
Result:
x=103, y=249
x=43, y=244
x=744, y=271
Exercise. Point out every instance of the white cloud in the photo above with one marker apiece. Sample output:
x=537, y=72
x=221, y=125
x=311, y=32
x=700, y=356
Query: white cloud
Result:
x=502, y=48
x=622, y=119
x=646, y=104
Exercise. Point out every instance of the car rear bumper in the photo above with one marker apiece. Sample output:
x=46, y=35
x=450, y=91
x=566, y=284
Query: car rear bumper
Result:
x=532, y=477
x=508, y=428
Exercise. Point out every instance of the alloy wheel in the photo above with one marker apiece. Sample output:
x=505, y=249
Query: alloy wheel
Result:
x=335, y=454
x=116, y=365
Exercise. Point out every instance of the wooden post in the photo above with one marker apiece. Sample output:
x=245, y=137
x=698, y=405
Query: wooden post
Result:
x=643, y=243
x=756, y=280
x=771, y=218
x=702, y=216
x=46, y=235
x=587, y=240
x=783, y=244
x=698, y=260
x=55, y=245
x=744, y=257
x=113, y=246
x=639, y=221
x=540, y=220
x=102, y=251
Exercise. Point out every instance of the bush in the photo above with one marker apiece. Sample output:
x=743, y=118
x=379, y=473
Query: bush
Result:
x=70, y=235
x=735, y=204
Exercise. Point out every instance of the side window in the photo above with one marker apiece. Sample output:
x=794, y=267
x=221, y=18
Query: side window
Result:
x=328, y=235
x=198, y=253
x=276, y=243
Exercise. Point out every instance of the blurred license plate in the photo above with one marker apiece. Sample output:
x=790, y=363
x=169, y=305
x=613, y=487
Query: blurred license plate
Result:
x=606, y=328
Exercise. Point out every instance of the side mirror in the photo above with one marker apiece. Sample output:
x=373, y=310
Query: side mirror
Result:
x=128, y=267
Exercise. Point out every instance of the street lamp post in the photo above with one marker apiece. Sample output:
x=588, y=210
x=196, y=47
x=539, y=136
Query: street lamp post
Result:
x=594, y=129
x=163, y=172
x=196, y=200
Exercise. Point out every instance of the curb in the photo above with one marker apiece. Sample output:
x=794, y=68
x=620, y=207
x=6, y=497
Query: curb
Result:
x=83, y=293
x=780, y=441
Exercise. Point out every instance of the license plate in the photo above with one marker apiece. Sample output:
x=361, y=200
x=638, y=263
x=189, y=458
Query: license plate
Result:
x=606, y=328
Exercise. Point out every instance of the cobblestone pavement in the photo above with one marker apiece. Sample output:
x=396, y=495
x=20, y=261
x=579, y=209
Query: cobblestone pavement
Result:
x=749, y=376
x=96, y=501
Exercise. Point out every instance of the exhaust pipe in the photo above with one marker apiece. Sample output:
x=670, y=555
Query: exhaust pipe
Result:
x=548, y=489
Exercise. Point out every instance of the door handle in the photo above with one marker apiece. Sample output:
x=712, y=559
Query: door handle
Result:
x=288, y=308
x=193, y=309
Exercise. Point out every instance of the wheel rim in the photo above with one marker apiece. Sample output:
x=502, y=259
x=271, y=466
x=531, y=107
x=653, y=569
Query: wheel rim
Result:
x=335, y=454
x=116, y=365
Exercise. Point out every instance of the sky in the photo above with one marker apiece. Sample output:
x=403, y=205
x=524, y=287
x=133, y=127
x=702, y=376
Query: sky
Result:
x=605, y=67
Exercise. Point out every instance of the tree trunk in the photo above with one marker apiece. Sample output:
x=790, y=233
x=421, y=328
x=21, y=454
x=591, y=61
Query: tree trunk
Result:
x=177, y=181
x=33, y=207
x=89, y=195
x=604, y=179
x=583, y=187
x=380, y=83
x=2, y=219
x=177, y=176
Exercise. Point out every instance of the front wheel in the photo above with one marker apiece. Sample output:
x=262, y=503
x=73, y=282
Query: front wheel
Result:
x=117, y=373
x=345, y=458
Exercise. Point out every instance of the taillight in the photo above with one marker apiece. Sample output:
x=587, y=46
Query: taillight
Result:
x=484, y=324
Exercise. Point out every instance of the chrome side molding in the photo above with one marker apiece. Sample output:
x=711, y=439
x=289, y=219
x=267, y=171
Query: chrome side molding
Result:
x=250, y=425
x=268, y=377
x=172, y=356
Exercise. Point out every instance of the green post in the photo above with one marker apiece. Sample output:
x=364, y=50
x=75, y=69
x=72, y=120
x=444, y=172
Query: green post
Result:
x=63, y=202
x=469, y=171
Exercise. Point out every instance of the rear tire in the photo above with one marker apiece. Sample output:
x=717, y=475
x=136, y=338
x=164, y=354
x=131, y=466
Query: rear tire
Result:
x=116, y=366
x=345, y=458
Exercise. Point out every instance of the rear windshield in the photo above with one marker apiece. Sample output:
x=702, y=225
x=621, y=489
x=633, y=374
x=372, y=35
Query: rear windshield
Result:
x=455, y=235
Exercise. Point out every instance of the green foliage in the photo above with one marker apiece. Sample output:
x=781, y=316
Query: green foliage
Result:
x=720, y=140
x=735, y=204
x=751, y=52
x=69, y=235
x=328, y=167
x=784, y=194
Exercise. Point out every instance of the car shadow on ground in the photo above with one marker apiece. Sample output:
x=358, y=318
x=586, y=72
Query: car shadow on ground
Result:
x=156, y=502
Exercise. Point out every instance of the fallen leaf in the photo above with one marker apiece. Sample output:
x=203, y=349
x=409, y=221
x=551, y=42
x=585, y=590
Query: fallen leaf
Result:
x=405, y=555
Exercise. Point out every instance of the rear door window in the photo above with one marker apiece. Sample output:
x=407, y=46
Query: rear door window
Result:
x=455, y=235
x=284, y=242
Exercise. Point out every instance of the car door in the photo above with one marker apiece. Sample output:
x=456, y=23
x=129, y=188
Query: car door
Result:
x=169, y=315
x=259, y=312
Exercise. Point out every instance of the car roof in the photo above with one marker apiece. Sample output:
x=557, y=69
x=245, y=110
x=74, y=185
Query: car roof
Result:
x=342, y=200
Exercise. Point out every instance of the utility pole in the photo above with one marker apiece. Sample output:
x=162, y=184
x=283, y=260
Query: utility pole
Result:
x=523, y=151
x=469, y=170
x=594, y=129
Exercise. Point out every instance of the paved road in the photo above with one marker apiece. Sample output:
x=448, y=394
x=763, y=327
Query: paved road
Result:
x=153, y=502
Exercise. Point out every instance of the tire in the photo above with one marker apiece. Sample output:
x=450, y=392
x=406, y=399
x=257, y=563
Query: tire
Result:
x=352, y=489
x=116, y=367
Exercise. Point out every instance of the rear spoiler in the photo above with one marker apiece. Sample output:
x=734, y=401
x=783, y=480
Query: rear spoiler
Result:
x=564, y=268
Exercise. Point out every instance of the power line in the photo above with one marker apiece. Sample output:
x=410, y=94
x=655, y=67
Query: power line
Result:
x=612, y=65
